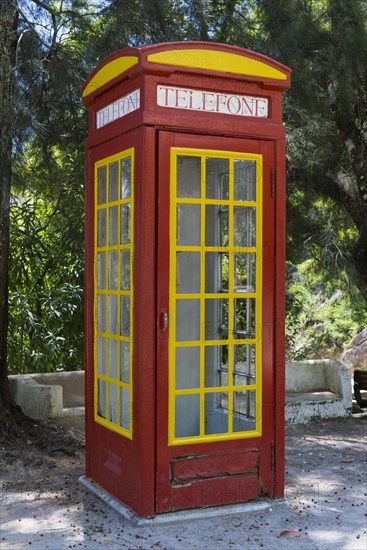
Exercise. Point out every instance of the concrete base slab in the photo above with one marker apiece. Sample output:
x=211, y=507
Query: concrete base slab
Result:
x=175, y=517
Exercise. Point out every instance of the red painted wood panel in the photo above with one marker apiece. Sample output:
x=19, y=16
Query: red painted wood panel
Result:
x=124, y=467
x=214, y=465
x=214, y=492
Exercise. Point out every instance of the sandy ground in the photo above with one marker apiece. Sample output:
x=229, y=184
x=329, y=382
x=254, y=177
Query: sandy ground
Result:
x=43, y=506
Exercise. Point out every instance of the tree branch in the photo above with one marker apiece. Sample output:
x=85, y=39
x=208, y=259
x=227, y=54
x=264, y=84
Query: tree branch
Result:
x=346, y=196
x=32, y=28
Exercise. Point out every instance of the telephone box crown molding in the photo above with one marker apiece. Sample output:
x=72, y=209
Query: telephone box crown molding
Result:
x=113, y=68
x=220, y=60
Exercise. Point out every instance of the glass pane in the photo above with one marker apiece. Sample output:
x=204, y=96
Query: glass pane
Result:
x=112, y=269
x=244, y=368
x=217, y=178
x=216, y=366
x=244, y=410
x=125, y=414
x=102, y=185
x=101, y=313
x=113, y=225
x=244, y=322
x=113, y=182
x=187, y=415
x=101, y=270
x=216, y=413
x=125, y=270
x=244, y=226
x=125, y=362
x=126, y=178
x=112, y=403
x=101, y=398
x=244, y=272
x=188, y=225
x=112, y=358
x=125, y=224
x=216, y=319
x=112, y=313
x=244, y=180
x=188, y=176
x=101, y=355
x=101, y=236
x=216, y=225
x=216, y=272
x=187, y=320
x=187, y=368
x=188, y=272
x=125, y=316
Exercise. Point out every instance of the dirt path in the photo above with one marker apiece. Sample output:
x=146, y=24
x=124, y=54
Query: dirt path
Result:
x=44, y=507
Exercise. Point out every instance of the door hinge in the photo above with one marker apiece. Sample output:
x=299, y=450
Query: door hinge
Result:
x=272, y=455
x=164, y=321
x=273, y=187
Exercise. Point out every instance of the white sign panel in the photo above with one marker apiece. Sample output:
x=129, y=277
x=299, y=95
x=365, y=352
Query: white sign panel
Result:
x=212, y=102
x=119, y=108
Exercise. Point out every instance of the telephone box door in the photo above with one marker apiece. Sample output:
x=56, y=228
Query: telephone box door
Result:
x=215, y=317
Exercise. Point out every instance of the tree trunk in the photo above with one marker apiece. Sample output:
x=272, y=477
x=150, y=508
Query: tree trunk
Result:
x=8, y=45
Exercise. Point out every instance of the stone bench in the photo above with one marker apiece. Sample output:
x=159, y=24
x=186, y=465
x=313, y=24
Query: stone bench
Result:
x=318, y=389
x=49, y=395
x=314, y=390
x=39, y=401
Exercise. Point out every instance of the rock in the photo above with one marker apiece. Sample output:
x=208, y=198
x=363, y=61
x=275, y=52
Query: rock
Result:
x=355, y=354
x=358, y=339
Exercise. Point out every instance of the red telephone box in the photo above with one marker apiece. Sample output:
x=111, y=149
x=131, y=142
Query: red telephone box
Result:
x=185, y=255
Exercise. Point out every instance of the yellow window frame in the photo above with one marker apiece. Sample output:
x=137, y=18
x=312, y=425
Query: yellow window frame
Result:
x=114, y=426
x=231, y=295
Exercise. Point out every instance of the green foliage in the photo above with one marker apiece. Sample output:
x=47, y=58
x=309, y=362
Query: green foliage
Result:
x=325, y=44
x=324, y=307
x=323, y=314
x=47, y=210
x=46, y=286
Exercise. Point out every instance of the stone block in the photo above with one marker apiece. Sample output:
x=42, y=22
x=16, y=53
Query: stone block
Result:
x=39, y=401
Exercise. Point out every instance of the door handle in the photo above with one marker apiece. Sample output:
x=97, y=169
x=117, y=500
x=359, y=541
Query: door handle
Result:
x=164, y=321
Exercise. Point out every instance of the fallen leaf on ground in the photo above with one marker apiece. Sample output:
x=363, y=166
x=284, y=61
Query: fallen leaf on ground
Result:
x=347, y=460
x=287, y=533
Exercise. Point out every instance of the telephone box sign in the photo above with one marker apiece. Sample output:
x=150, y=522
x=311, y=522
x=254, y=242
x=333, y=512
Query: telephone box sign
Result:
x=213, y=102
x=119, y=108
